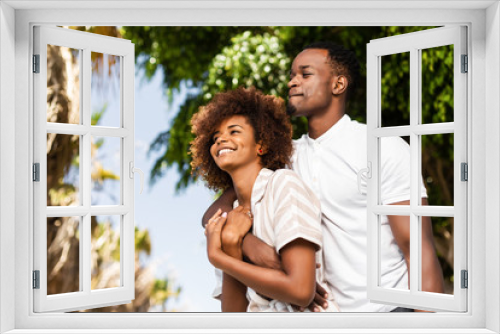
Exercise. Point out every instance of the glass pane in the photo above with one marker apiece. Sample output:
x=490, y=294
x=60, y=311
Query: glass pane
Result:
x=63, y=255
x=63, y=85
x=438, y=169
x=395, y=89
x=106, y=159
x=63, y=170
x=105, y=248
x=105, y=89
x=393, y=268
x=394, y=170
x=437, y=84
x=437, y=253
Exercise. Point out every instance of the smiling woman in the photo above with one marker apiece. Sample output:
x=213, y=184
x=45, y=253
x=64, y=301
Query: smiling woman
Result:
x=244, y=138
x=271, y=130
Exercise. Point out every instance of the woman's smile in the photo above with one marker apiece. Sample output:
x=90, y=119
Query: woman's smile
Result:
x=224, y=151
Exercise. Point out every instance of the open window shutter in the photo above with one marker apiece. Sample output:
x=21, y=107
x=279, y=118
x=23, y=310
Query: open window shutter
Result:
x=415, y=44
x=71, y=246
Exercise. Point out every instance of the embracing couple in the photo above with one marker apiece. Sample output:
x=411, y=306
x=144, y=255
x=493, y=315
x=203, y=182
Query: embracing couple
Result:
x=289, y=232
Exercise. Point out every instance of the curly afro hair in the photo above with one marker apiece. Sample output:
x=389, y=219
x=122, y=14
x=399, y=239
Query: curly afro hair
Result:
x=265, y=113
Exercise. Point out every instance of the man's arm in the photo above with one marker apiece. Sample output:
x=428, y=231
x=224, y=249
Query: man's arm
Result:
x=432, y=275
x=224, y=202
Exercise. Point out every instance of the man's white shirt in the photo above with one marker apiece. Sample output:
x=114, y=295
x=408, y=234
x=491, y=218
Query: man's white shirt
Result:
x=329, y=165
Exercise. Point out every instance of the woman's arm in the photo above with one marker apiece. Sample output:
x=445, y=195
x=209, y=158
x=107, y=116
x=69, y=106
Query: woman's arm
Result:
x=233, y=297
x=294, y=284
x=234, y=294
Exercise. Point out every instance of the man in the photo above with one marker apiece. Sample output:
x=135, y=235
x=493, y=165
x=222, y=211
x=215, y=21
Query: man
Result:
x=328, y=159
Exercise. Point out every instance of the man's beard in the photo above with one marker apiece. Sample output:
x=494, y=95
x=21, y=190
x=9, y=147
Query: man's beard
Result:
x=290, y=109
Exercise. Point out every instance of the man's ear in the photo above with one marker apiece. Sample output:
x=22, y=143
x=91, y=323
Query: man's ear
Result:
x=339, y=85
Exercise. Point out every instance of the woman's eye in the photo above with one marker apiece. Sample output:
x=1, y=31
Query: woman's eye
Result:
x=306, y=75
x=234, y=131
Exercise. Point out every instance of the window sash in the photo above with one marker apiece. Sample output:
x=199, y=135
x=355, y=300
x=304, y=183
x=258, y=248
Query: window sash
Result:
x=86, y=297
x=413, y=43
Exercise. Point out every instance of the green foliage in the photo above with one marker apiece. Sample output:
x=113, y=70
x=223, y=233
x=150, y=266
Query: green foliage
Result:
x=251, y=60
x=235, y=56
x=183, y=53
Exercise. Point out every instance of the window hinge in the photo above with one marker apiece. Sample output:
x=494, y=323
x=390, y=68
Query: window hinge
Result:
x=36, y=279
x=36, y=172
x=465, y=64
x=36, y=63
x=465, y=279
x=464, y=171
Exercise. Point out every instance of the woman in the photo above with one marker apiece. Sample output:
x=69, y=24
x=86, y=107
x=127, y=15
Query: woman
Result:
x=243, y=140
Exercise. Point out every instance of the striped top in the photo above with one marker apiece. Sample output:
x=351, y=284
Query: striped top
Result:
x=284, y=209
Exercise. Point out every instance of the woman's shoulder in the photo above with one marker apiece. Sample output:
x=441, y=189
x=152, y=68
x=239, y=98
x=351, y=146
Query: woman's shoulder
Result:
x=286, y=175
x=284, y=179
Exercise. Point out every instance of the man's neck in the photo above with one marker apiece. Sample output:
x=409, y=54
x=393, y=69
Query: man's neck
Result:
x=319, y=124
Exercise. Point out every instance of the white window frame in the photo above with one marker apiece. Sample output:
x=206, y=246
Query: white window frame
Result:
x=86, y=43
x=414, y=43
x=483, y=21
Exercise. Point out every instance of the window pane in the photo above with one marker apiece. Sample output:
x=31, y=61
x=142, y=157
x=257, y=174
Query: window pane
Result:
x=105, y=89
x=440, y=231
x=393, y=268
x=438, y=168
x=63, y=170
x=106, y=172
x=437, y=84
x=394, y=170
x=63, y=255
x=63, y=85
x=105, y=250
x=395, y=89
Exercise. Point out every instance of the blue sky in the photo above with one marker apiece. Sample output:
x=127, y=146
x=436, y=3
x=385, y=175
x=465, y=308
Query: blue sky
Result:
x=173, y=220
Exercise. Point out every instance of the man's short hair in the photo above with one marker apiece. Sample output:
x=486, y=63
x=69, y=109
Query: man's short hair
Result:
x=342, y=61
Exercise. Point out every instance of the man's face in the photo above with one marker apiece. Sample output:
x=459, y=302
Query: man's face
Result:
x=310, y=85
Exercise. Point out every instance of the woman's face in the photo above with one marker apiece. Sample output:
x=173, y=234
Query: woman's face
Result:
x=234, y=144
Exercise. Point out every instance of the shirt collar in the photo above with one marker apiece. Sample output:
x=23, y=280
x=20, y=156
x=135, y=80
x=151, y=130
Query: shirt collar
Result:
x=331, y=132
x=260, y=185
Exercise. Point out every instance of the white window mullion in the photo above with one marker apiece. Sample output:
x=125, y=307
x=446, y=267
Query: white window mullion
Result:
x=421, y=129
x=415, y=79
x=127, y=221
x=86, y=265
x=373, y=91
x=403, y=210
x=75, y=129
x=85, y=166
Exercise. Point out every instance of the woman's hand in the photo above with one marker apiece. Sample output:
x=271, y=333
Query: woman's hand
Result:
x=213, y=231
x=239, y=222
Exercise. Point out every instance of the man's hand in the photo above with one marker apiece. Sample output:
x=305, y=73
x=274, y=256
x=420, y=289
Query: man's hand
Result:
x=239, y=222
x=320, y=298
x=260, y=253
